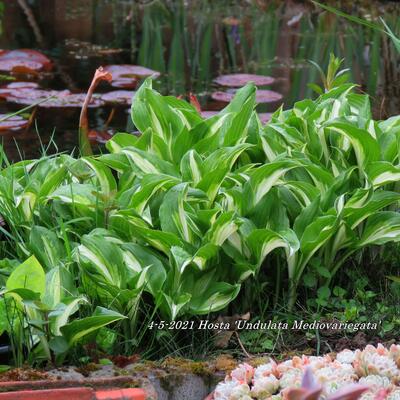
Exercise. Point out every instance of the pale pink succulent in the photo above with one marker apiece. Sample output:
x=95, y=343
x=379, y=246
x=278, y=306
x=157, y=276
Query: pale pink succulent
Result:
x=264, y=387
x=394, y=353
x=266, y=370
x=375, y=381
x=346, y=356
x=291, y=378
x=394, y=394
x=371, y=373
x=231, y=390
x=378, y=362
x=243, y=373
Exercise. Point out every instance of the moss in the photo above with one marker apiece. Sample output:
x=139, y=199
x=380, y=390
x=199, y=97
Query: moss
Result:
x=87, y=369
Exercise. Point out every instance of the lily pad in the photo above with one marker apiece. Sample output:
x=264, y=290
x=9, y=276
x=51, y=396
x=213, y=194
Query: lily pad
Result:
x=208, y=114
x=126, y=75
x=24, y=61
x=20, y=85
x=56, y=98
x=121, y=97
x=239, y=80
x=264, y=117
x=262, y=96
x=13, y=123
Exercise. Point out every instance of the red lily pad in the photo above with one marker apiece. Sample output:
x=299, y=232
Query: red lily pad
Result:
x=121, y=97
x=262, y=96
x=56, y=98
x=264, y=117
x=126, y=75
x=20, y=85
x=239, y=80
x=208, y=114
x=13, y=123
x=24, y=61
x=11, y=88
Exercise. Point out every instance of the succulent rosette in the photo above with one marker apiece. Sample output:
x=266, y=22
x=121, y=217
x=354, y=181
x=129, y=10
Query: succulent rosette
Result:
x=375, y=369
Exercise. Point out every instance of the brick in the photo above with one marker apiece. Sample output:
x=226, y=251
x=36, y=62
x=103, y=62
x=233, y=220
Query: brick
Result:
x=122, y=394
x=51, y=394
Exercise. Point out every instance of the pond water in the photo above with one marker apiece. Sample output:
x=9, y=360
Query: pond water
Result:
x=190, y=43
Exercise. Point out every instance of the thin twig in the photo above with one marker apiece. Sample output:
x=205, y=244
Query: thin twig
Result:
x=32, y=21
x=241, y=346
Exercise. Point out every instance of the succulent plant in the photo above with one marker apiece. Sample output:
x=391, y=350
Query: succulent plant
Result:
x=369, y=374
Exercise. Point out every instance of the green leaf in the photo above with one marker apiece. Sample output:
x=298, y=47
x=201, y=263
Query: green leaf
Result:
x=365, y=146
x=224, y=226
x=381, y=227
x=216, y=166
x=317, y=233
x=263, y=241
x=46, y=246
x=263, y=179
x=29, y=275
x=76, y=330
x=216, y=297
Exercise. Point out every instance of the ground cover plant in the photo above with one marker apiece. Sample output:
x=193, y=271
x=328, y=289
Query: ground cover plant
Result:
x=369, y=373
x=168, y=224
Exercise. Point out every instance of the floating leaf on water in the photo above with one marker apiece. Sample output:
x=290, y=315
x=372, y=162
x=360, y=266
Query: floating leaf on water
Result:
x=56, y=98
x=24, y=61
x=13, y=123
x=208, y=114
x=264, y=117
x=126, y=75
x=239, y=80
x=122, y=97
x=20, y=85
x=262, y=96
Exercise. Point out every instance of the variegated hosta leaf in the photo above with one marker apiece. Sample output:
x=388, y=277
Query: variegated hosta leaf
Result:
x=216, y=166
x=173, y=217
x=381, y=227
x=204, y=254
x=119, y=141
x=224, y=226
x=215, y=297
x=382, y=172
x=149, y=163
x=368, y=203
x=102, y=261
x=191, y=167
x=149, y=267
x=263, y=179
x=173, y=306
x=317, y=233
x=263, y=241
x=150, y=185
x=365, y=146
x=103, y=175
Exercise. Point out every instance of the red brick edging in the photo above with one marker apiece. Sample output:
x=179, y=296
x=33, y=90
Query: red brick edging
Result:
x=79, y=393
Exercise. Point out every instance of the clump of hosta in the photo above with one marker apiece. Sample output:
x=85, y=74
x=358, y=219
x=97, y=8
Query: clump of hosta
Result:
x=371, y=373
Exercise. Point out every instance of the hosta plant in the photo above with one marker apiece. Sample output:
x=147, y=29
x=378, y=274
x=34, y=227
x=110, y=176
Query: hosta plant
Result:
x=367, y=373
x=172, y=221
x=36, y=311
